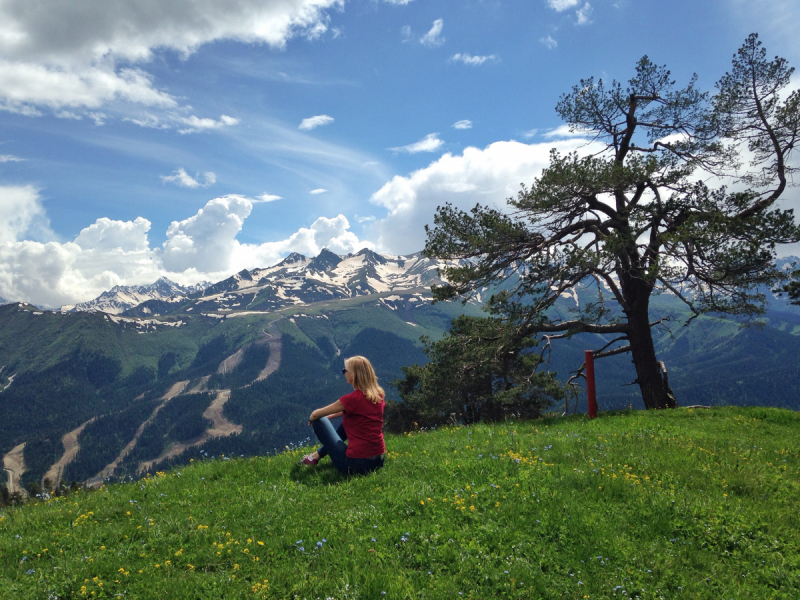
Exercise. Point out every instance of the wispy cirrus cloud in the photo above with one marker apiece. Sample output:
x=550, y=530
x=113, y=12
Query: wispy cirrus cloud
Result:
x=182, y=179
x=474, y=61
x=267, y=198
x=434, y=36
x=463, y=124
x=430, y=143
x=318, y=191
x=313, y=122
x=4, y=158
x=195, y=124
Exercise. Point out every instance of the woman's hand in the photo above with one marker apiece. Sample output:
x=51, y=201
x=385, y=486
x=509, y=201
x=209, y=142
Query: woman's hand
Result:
x=312, y=417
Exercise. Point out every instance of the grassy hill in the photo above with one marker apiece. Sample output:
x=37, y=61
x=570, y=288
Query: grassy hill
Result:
x=672, y=504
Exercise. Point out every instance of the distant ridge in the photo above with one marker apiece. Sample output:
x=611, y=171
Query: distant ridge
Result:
x=120, y=298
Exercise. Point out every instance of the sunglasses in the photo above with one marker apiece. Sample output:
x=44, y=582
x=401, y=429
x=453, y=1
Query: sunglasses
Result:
x=344, y=371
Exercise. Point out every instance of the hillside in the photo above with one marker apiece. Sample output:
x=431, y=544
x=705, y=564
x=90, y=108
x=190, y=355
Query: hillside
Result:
x=673, y=504
x=86, y=395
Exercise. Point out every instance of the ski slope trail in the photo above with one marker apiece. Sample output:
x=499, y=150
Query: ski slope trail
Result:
x=71, y=447
x=176, y=389
x=14, y=465
x=220, y=427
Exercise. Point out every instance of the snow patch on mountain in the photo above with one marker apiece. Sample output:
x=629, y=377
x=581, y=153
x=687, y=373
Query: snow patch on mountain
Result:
x=120, y=298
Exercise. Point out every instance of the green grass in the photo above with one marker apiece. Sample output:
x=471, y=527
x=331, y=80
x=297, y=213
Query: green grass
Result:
x=670, y=504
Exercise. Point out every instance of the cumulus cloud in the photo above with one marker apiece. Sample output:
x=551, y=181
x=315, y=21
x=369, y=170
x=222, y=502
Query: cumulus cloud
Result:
x=26, y=86
x=463, y=124
x=110, y=252
x=106, y=234
x=471, y=60
x=488, y=176
x=434, y=36
x=206, y=240
x=182, y=179
x=4, y=158
x=583, y=14
x=21, y=214
x=562, y=5
x=430, y=143
x=549, y=42
x=79, y=55
x=312, y=122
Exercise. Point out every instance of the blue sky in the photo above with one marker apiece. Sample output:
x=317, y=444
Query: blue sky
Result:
x=193, y=138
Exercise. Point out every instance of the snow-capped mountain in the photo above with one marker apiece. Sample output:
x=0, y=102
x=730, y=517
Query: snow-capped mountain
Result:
x=299, y=280
x=120, y=298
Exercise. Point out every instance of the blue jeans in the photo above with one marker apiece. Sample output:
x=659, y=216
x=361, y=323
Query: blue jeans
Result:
x=333, y=445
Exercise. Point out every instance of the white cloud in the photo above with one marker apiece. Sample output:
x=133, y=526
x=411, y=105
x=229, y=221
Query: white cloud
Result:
x=109, y=252
x=268, y=198
x=22, y=213
x=488, y=176
x=68, y=55
x=105, y=235
x=398, y=2
x=562, y=5
x=562, y=131
x=549, y=42
x=196, y=124
x=530, y=133
x=4, y=158
x=318, y=191
x=182, y=179
x=206, y=240
x=25, y=86
x=471, y=60
x=430, y=143
x=405, y=30
x=365, y=219
x=583, y=14
x=463, y=124
x=434, y=35
x=312, y=122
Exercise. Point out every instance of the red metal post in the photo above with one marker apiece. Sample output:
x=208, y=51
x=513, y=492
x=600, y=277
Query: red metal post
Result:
x=590, y=389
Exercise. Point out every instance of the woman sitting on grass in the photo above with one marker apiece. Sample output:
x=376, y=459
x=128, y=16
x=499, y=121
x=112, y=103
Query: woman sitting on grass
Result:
x=362, y=423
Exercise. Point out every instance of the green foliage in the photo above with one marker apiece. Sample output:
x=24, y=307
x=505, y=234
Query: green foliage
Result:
x=673, y=504
x=478, y=372
x=102, y=440
x=387, y=352
x=39, y=456
x=179, y=420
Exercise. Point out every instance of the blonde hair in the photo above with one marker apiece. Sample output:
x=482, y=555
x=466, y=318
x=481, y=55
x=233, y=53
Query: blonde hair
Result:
x=364, y=378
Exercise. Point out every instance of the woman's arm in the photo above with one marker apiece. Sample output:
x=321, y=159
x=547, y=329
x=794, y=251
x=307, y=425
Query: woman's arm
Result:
x=326, y=411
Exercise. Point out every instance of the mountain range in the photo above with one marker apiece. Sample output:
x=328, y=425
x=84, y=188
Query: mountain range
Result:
x=122, y=297
x=143, y=377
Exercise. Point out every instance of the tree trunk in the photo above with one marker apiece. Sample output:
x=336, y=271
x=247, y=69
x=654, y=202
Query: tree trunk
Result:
x=656, y=392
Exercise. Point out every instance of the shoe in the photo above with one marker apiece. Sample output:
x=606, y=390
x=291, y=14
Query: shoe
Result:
x=309, y=461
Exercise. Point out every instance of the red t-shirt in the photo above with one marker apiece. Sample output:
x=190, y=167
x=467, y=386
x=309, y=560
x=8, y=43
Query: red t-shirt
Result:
x=363, y=423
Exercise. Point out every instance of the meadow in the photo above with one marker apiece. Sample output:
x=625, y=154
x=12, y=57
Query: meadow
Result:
x=687, y=503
